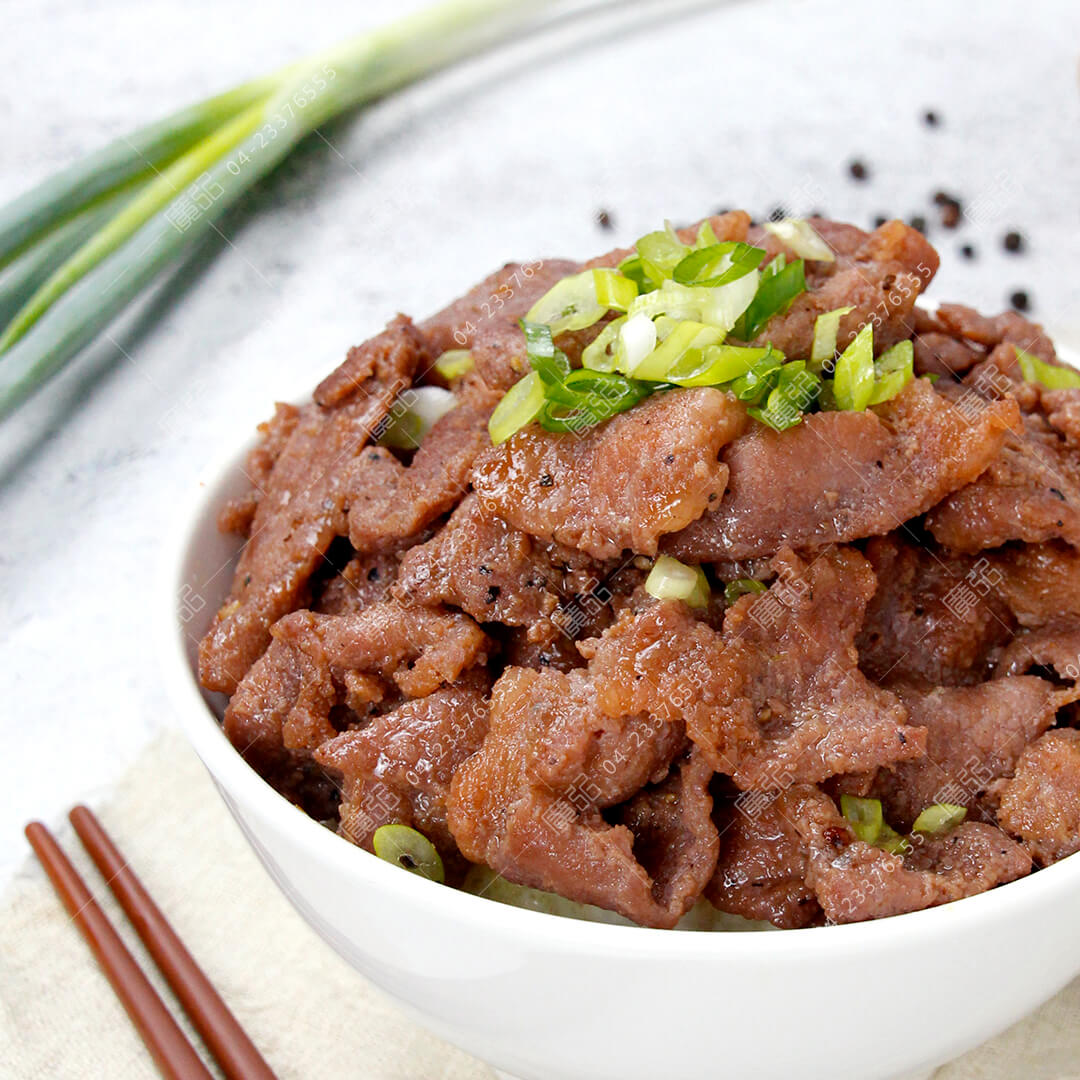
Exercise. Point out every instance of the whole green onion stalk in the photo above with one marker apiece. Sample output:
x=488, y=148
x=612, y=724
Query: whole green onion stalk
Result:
x=75, y=250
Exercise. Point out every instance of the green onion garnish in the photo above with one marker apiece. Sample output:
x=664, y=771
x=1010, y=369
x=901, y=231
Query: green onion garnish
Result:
x=613, y=290
x=718, y=264
x=670, y=579
x=413, y=415
x=864, y=815
x=454, y=363
x=1049, y=375
x=891, y=841
x=800, y=237
x=893, y=370
x=570, y=304
x=778, y=288
x=939, y=818
x=741, y=587
x=550, y=363
x=586, y=398
x=826, y=327
x=660, y=252
x=763, y=376
x=795, y=391
x=411, y=850
x=853, y=378
x=520, y=405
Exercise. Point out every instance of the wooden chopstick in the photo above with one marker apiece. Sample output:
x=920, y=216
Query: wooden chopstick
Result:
x=175, y=1056
x=226, y=1039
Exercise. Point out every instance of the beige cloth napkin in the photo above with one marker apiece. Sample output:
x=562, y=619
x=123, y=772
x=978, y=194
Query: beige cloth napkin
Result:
x=307, y=1010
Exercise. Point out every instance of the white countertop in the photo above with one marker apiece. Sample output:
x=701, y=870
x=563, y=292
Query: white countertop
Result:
x=403, y=207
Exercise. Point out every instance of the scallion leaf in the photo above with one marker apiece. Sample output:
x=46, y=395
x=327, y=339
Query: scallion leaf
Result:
x=742, y=587
x=762, y=377
x=864, y=815
x=1051, y=376
x=588, y=399
x=670, y=579
x=454, y=363
x=795, y=391
x=801, y=238
x=686, y=336
x=660, y=252
x=570, y=304
x=413, y=415
x=853, y=378
x=403, y=846
x=775, y=292
x=893, y=370
x=939, y=818
x=716, y=365
x=613, y=290
x=718, y=264
x=521, y=404
x=826, y=328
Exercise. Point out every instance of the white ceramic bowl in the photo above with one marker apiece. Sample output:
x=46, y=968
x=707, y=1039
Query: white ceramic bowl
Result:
x=550, y=998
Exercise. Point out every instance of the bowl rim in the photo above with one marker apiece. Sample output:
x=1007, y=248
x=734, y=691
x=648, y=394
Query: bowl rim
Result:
x=1025, y=896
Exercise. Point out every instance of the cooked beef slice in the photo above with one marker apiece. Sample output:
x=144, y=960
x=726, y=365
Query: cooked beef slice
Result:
x=364, y=580
x=974, y=735
x=528, y=803
x=933, y=617
x=839, y=476
x=937, y=352
x=988, y=331
x=1054, y=647
x=1030, y=491
x=853, y=880
x=302, y=511
x=496, y=573
x=390, y=501
x=1062, y=410
x=237, y=514
x=1039, y=582
x=413, y=752
x=1041, y=803
x=318, y=663
x=878, y=274
x=485, y=319
x=777, y=697
x=619, y=485
x=761, y=871
x=387, y=360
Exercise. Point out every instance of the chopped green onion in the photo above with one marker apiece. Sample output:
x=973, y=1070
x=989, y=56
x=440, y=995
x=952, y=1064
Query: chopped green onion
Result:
x=939, y=818
x=520, y=405
x=454, y=363
x=795, y=391
x=670, y=579
x=660, y=253
x=719, y=307
x=716, y=365
x=413, y=851
x=801, y=238
x=570, y=304
x=742, y=587
x=614, y=290
x=777, y=289
x=684, y=336
x=853, y=379
x=1049, y=375
x=763, y=375
x=588, y=398
x=864, y=815
x=636, y=340
x=893, y=370
x=826, y=327
x=413, y=415
x=634, y=269
x=891, y=841
x=598, y=355
x=718, y=264
x=706, y=235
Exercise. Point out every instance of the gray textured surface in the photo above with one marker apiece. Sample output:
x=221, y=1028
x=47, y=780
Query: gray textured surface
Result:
x=748, y=104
